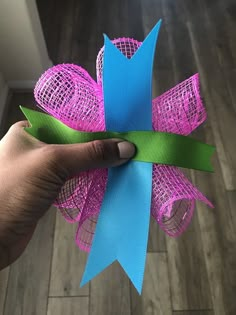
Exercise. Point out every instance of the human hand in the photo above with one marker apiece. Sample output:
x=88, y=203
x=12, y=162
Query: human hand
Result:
x=32, y=174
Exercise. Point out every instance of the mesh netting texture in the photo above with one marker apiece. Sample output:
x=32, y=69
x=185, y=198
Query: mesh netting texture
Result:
x=68, y=93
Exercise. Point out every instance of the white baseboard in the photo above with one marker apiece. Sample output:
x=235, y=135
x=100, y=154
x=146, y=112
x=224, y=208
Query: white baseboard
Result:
x=3, y=100
x=24, y=85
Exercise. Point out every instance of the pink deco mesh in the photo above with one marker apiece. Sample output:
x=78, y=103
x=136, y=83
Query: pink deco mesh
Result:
x=68, y=93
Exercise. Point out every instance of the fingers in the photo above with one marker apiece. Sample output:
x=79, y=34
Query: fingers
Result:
x=18, y=128
x=17, y=140
x=19, y=125
x=95, y=154
x=22, y=124
x=71, y=159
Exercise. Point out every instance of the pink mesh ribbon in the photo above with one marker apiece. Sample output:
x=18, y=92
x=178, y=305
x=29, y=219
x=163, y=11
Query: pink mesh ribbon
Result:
x=68, y=93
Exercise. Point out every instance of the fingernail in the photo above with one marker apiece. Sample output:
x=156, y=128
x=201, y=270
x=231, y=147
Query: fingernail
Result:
x=126, y=150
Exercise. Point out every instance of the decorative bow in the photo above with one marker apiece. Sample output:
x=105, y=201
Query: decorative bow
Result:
x=122, y=197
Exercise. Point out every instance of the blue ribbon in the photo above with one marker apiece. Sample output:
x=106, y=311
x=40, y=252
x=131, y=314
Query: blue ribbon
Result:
x=123, y=224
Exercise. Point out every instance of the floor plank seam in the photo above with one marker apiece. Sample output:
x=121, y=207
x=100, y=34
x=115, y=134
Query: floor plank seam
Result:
x=50, y=268
x=229, y=190
x=195, y=310
x=157, y=251
x=5, y=299
x=89, y=304
x=130, y=298
x=168, y=272
x=67, y=296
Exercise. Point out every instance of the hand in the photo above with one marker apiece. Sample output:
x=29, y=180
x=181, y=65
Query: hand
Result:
x=32, y=174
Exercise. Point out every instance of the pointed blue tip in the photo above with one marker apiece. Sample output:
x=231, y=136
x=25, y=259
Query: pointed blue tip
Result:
x=135, y=274
x=105, y=37
x=84, y=281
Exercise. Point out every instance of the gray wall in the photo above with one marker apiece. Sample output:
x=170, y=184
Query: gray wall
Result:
x=23, y=53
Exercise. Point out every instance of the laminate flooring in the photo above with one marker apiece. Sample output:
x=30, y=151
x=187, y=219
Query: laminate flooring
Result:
x=194, y=274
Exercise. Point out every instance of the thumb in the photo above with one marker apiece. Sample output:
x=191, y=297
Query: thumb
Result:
x=74, y=158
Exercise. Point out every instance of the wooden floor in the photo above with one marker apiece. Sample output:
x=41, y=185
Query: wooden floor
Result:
x=196, y=273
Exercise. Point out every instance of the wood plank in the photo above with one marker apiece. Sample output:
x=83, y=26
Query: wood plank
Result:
x=188, y=275
x=221, y=28
x=29, y=276
x=68, y=262
x=50, y=16
x=231, y=195
x=4, y=275
x=163, y=73
x=156, y=240
x=114, y=19
x=151, y=14
x=65, y=31
x=223, y=13
x=221, y=22
x=86, y=38
x=230, y=78
x=85, y=20
x=178, y=40
x=68, y=305
x=228, y=8
x=134, y=16
x=219, y=103
x=84, y=54
x=219, y=236
x=110, y=292
x=155, y=298
x=85, y=51
x=217, y=229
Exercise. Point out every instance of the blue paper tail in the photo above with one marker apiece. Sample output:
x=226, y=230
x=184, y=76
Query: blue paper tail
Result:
x=92, y=270
x=122, y=232
x=132, y=261
x=122, y=228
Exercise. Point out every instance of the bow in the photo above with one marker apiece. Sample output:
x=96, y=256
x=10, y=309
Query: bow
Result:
x=112, y=207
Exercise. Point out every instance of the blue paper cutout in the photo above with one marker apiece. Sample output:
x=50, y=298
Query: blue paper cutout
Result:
x=123, y=224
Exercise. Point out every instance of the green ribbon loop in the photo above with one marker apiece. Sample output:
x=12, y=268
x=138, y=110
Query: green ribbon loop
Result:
x=151, y=146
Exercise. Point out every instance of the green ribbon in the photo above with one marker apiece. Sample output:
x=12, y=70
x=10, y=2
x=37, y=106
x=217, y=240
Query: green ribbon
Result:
x=151, y=146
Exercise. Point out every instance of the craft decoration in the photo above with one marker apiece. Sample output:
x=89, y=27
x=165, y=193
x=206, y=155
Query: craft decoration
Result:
x=113, y=206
